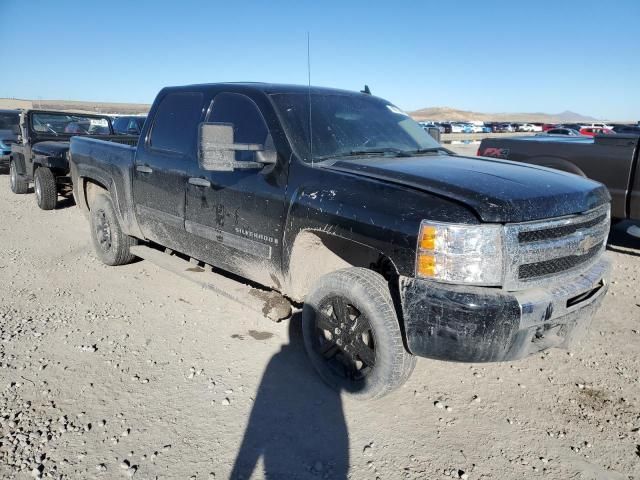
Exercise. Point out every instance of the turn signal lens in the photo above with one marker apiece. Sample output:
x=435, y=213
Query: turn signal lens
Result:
x=428, y=238
x=426, y=265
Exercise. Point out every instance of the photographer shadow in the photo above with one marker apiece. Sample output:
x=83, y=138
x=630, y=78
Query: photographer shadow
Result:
x=297, y=424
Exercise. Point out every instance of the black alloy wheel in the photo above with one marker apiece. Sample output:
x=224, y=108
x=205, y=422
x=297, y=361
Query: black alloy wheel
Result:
x=345, y=339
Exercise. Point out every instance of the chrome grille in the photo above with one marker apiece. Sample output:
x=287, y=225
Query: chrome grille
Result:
x=543, y=251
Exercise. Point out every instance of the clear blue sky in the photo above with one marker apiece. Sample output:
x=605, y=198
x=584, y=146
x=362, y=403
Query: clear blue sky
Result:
x=483, y=55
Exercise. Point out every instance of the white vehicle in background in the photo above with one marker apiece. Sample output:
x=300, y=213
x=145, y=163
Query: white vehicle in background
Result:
x=526, y=127
x=457, y=128
x=597, y=125
x=536, y=128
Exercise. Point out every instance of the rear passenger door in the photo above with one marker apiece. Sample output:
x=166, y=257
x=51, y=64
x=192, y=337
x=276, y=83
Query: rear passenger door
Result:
x=161, y=167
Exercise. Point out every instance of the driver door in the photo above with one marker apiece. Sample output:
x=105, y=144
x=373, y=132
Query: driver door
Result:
x=236, y=217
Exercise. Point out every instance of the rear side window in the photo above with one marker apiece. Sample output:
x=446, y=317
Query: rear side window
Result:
x=176, y=121
x=248, y=124
x=119, y=125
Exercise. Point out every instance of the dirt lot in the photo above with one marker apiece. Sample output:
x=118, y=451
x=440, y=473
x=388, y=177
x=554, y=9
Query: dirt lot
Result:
x=133, y=372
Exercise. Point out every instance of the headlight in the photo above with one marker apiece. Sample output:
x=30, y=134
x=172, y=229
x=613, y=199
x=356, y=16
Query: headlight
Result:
x=470, y=254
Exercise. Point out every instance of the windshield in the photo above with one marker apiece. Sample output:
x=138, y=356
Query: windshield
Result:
x=348, y=125
x=10, y=121
x=69, y=124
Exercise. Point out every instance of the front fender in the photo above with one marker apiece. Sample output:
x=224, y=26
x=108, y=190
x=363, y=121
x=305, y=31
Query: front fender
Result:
x=54, y=163
x=382, y=216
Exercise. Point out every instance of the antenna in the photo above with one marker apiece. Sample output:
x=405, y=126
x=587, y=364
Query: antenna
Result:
x=309, y=95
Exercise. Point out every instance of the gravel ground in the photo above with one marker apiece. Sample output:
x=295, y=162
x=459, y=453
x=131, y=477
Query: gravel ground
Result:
x=117, y=372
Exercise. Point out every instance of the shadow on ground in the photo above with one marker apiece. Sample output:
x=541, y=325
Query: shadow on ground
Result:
x=621, y=242
x=297, y=426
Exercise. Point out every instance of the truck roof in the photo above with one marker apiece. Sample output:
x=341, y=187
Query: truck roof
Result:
x=267, y=88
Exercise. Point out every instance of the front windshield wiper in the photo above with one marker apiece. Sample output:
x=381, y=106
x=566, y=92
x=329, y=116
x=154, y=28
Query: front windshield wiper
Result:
x=382, y=152
x=396, y=152
x=427, y=150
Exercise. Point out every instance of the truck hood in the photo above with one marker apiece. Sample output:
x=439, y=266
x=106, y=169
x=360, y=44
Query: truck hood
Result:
x=51, y=149
x=496, y=190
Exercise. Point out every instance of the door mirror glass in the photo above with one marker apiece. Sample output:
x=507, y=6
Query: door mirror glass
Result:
x=217, y=149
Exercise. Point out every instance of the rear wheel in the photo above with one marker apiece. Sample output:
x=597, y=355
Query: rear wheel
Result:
x=18, y=184
x=352, y=335
x=46, y=189
x=111, y=244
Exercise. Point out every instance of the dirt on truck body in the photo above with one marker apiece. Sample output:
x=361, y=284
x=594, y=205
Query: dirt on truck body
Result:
x=338, y=200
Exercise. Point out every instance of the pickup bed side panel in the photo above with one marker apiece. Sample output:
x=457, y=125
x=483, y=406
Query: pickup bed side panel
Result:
x=608, y=161
x=381, y=217
x=109, y=164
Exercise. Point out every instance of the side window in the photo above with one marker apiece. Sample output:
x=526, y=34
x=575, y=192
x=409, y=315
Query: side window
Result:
x=133, y=126
x=176, y=122
x=118, y=125
x=248, y=123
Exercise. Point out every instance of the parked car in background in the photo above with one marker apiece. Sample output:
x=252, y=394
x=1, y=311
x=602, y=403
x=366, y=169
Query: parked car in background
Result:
x=593, y=131
x=630, y=129
x=548, y=126
x=609, y=159
x=128, y=125
x=41, y=153
x=397, y=247
x=505, y=128
x=459, y=128
x=529, y=127
x=574, y=126
x=563, y=131
x=598, y=125
x=446, y=126
x=9, y=133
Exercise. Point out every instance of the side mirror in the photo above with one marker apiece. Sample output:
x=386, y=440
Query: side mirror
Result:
x=217, y=149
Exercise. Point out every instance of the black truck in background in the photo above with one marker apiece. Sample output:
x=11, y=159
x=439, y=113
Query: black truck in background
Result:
x=397, y=247
x=609, y=159
x=39, y=154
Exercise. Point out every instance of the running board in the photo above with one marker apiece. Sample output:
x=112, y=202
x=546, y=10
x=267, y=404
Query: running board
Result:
x=266, y=302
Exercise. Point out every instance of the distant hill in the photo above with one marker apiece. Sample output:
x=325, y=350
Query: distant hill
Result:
x=77, y=106
x=446, y=113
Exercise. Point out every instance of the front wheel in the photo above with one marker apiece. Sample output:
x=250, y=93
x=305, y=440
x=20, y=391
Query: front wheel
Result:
x=111, y=244
x=46, y=189
x=16, y=182
x=352, y=334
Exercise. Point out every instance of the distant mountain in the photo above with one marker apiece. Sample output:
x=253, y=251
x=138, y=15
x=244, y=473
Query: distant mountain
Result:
x=452, y=114
x=77, y=106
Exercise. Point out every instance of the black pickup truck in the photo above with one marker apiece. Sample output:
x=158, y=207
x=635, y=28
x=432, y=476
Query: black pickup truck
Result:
x=40, y=153
x=610, y=159
x=339, y=200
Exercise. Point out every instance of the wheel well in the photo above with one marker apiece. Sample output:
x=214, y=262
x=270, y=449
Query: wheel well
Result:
x=316, y=253
x=91, y=188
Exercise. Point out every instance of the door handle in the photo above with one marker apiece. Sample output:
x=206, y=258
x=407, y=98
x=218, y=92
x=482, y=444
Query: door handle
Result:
x=144, y=169
x=199, y=182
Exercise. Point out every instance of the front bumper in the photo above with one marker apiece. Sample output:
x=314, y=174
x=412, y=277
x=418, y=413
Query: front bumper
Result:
x=475, y=324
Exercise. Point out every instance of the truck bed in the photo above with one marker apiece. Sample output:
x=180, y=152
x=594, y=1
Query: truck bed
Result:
x=110, y=164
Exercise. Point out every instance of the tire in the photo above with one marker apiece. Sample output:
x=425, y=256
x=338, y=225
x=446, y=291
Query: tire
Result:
x=18, y=184
x=46, y=188
x=110, y=243
x=352, y=334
